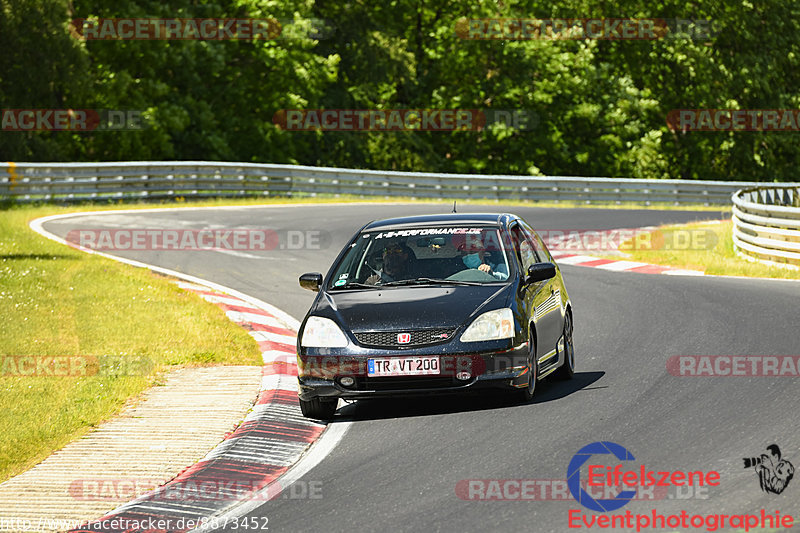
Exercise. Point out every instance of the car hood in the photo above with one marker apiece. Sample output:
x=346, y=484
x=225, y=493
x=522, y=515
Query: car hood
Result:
x=408, y=308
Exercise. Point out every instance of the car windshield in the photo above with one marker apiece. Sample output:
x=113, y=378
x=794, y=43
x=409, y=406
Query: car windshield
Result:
x=423, y=256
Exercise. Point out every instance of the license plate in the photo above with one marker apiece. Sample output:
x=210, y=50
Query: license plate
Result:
x=403, y=366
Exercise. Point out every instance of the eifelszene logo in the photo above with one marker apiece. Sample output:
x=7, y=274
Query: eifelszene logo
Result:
x=574, y=476
x=774, y=473
x=611, y=479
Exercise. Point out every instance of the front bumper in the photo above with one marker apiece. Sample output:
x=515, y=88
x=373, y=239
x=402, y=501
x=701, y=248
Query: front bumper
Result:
x=498, y=364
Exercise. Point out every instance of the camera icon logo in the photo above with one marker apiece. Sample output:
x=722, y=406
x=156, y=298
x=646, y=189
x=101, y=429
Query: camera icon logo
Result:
x=774, y=472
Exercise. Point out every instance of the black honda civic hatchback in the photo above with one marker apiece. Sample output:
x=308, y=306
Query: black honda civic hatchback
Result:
x=434, y=304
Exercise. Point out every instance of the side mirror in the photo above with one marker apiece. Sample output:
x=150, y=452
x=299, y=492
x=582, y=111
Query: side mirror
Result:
x=540, y=272
x=311, y=281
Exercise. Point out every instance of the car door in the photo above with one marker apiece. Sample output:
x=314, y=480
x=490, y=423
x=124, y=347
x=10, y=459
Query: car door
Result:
x=536, y=297
x=547, y=312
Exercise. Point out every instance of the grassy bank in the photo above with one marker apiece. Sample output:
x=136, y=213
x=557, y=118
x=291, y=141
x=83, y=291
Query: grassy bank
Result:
x=56, y=301
x=717, y=257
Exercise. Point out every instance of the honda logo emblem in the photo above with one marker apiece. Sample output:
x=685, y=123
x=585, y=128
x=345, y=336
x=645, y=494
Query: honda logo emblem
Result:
x=403, y=338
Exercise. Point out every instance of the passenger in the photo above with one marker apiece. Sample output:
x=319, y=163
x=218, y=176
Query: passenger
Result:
x=474, y=255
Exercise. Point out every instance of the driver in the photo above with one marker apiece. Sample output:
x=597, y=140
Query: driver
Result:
x=474, y=255
x=396, y=264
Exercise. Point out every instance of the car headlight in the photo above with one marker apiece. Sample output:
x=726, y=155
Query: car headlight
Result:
x=491, y=325
x=322, y=333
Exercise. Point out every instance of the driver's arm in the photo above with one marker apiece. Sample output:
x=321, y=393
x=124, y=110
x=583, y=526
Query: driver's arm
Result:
x=500, y=271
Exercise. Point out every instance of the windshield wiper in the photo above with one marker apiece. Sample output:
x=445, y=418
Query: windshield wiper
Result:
x=355, y=285
x=426, y=281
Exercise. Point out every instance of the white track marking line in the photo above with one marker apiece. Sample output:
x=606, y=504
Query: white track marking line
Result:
x=252, y=318
x=679, y=272
x=574, y=260
x=279, y=381
x=621, y=265
x=556, y=253
x=275, y=356
x=214, y=299
x=236, y=253
x=273, y=337
x=191, y=286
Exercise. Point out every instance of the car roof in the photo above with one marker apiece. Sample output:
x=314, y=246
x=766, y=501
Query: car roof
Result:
x=446, y=219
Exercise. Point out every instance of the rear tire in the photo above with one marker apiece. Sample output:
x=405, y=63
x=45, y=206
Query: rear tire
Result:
x=321, y=409
x=525, y=395
x=567, y=370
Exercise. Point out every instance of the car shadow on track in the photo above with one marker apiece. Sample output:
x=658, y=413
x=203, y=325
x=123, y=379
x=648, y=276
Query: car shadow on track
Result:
x=547, y=391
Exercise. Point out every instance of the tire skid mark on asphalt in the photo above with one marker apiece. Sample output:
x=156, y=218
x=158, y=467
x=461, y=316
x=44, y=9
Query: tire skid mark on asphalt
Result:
x=272, y=437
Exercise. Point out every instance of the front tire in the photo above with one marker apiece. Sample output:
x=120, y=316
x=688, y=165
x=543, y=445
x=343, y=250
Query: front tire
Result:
x=321, y=409
x=567, y=370
x=525, y=395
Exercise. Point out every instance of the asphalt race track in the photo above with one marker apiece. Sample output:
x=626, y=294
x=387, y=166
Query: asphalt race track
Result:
x=398, y=466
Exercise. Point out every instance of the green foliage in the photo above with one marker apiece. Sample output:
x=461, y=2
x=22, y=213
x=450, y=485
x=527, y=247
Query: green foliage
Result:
x=600, y=105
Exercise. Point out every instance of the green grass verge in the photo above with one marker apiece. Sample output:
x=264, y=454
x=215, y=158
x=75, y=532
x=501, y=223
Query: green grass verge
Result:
x=719, y=259
x=57, y=301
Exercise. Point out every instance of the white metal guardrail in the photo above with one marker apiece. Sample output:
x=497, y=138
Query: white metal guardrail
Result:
x=766, y=224
x=71, y=182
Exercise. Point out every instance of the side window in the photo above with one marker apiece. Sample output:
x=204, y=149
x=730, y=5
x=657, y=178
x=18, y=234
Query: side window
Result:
x=544, y=253
x=538, y=246
x=523, y=248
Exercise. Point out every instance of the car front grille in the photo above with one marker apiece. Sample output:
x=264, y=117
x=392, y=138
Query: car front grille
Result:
x=389, y=339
